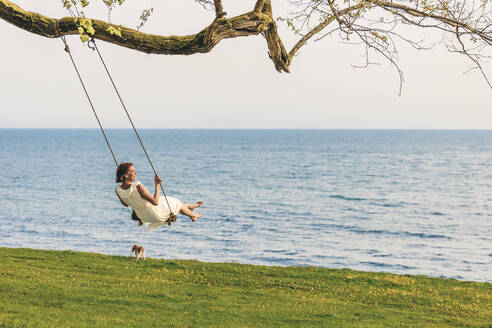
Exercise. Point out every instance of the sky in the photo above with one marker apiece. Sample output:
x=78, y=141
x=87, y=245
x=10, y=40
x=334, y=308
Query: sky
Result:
x=233, y=86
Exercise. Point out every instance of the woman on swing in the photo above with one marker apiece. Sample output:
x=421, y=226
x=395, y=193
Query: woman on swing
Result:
x=148, y=209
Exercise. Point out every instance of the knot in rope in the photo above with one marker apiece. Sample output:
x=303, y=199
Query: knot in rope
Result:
x=93, y=41
x=67, y=48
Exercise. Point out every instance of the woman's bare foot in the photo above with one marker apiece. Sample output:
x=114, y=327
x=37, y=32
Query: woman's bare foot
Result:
x=197, y=204
x=196, y=217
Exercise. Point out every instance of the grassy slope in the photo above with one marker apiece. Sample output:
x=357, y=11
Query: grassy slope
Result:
x=70, y=289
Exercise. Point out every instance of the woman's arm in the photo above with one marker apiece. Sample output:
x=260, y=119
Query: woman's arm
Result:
x=145, y=193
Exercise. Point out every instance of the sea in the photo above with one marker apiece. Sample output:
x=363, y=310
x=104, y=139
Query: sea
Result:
x=399, y=201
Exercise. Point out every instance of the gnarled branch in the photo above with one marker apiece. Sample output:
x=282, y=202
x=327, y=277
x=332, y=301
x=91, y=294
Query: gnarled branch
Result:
x=250, y=23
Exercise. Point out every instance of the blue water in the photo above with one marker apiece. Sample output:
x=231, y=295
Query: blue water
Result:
x=416, y=202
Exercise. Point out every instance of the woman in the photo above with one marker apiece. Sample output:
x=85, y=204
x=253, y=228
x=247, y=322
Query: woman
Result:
x=149, y=209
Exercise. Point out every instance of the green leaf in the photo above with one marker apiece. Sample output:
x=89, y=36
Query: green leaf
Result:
x=114, y=31
x=84, y=38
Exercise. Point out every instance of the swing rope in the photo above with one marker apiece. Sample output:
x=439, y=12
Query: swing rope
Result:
x=172, y=217
x=67, y=49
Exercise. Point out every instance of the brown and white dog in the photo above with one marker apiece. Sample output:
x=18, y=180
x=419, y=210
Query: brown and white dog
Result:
x=139, y=251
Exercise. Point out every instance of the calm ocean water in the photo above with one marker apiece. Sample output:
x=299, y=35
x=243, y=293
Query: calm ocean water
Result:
x=416, y=202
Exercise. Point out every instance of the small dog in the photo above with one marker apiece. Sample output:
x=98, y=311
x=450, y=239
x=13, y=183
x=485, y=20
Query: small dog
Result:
x=139, y=251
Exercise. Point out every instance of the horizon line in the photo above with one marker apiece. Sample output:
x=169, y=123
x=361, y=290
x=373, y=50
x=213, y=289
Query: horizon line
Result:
x=292, y=129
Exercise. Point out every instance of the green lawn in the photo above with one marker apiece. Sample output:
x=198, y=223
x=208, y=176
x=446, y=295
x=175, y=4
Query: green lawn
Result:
x=71, y=289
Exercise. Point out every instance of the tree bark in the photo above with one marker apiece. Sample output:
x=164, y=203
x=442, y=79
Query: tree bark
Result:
x=258, y=21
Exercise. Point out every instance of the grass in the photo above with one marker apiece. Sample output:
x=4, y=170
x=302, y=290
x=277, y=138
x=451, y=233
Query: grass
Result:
x=70, y=289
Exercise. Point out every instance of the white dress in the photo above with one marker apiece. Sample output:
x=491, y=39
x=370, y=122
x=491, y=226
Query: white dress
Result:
x=151, y=215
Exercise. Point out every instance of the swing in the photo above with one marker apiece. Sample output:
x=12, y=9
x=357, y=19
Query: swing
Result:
x=172, y=216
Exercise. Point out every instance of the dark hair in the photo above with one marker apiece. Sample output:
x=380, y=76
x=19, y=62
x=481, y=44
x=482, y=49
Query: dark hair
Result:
x=121, y=171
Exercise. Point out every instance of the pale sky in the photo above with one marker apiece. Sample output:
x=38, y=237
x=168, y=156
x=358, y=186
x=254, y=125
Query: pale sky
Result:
x=233, y=86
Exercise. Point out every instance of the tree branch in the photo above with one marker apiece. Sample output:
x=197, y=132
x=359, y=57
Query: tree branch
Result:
x=328, y=20
x=219, y=9
x=251, y=23
x=471, y=18
x=390, y=6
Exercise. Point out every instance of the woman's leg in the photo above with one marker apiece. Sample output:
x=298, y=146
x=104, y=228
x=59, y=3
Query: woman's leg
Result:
x=191, y=207
x=186, y=211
